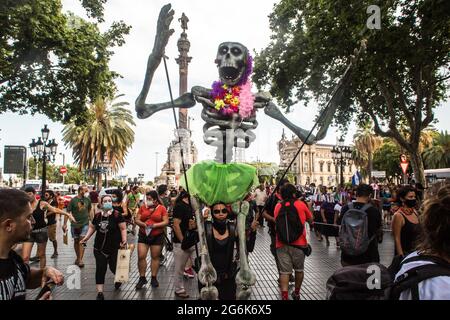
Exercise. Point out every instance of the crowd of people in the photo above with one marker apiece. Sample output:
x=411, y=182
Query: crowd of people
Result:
x=152, y=220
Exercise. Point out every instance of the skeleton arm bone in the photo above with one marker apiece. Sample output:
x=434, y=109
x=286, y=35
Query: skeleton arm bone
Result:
x=272, y=111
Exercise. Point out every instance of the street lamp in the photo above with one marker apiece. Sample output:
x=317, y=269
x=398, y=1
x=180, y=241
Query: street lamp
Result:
x=341, y=156
x=43, y=151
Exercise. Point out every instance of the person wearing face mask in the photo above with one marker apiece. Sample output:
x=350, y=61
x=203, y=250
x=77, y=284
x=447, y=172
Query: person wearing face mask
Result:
x=221, y=239
x=405, y=223
x=120, y=205
x=152, y=218
x=80, y=206
x=110, y=235
x=386, y=205
x=183, y=220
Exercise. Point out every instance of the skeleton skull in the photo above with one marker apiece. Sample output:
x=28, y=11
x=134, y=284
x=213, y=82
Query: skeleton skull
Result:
x=232, y=62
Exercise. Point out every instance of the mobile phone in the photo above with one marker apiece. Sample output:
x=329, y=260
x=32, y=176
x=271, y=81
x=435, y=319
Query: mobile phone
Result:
x=49, y=286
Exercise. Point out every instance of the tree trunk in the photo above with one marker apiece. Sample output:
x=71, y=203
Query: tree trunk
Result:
x=99, y=181
x=417, y=166
x=369, y=166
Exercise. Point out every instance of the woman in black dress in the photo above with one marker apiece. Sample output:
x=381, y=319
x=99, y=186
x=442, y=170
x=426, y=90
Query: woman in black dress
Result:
x=221, y=238
x=110, y=235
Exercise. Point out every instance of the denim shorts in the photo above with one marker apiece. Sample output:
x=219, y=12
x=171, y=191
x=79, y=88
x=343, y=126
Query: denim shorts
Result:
x=79, y=232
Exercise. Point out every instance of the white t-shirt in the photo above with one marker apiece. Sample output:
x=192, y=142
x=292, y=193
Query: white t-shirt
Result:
x=260, y=197
x=437, y=288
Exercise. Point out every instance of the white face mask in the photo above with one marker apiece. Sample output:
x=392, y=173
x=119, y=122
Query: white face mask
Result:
x=149, y=203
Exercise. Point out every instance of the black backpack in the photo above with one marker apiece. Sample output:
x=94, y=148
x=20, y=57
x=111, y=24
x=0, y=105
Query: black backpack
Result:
x=351, y=282
x=288, y=225
x=410, y=279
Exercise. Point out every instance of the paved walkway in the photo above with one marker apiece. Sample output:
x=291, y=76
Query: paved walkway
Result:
x=318, y=268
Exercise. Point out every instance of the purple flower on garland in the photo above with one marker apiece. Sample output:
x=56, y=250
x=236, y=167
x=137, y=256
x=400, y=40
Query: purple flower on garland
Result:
x=217, y=90
x=248, y=71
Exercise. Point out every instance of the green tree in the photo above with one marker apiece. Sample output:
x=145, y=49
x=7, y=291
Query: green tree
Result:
x=387, y=158
x=107, y=134
x=437, y=155
x=399, y=80
x=54, y=63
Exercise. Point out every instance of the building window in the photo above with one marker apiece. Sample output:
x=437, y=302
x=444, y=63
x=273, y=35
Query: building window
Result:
x=321, y=180
x=321, y=166
x=329, y=166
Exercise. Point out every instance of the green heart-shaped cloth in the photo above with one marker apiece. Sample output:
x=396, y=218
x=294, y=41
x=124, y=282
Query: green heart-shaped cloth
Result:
x=214, y=182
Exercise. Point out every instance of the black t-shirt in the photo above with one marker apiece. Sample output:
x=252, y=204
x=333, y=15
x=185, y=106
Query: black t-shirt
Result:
x=183, y=212
x=51, y=219
x=251, y=214
x=374, y=224
x=13, y=277
x=39, y=217
x=270, y=208
x=107, y=237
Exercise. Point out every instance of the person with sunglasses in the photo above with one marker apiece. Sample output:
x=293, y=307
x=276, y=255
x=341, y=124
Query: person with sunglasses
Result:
x=221, y=239
x=110, y=235
x=152, y=218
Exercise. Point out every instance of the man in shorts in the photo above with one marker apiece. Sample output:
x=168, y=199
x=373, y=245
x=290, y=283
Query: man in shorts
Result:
x=80, y=207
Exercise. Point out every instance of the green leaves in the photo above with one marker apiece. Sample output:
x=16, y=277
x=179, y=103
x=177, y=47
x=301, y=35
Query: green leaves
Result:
x=54, y=63
x=107, y=133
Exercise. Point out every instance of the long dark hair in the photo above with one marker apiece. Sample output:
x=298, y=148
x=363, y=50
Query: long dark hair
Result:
x=155, y=196
x=402, y=192
x=183, y=194
x=435, y=225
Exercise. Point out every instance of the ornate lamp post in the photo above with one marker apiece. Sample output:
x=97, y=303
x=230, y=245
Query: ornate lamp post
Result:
x=43, y=151
x=342, y=156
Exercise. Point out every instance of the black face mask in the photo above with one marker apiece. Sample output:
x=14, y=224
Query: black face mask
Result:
x=220, y=226
x=410, y=203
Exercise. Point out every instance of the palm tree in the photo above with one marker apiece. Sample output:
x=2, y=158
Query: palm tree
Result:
x=366, y=142
x=437, y=155
x=360, y=160
x=107, y=134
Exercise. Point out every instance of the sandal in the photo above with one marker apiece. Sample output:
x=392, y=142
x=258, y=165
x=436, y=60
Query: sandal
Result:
x=182, y=294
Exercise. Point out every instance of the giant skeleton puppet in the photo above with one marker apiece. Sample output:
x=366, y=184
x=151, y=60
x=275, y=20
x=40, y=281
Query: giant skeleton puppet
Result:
x=229, y=110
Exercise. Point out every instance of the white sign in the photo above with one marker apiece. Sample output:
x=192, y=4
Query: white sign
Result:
x=379, y=174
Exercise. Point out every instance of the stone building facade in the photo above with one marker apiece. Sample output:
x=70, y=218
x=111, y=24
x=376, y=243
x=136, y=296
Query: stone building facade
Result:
x=314, y=164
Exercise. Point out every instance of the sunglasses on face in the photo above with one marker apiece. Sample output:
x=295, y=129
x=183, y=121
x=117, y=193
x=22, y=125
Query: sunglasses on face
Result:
x=217, y=211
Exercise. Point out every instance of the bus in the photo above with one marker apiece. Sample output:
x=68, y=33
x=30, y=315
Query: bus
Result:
x=434, y=175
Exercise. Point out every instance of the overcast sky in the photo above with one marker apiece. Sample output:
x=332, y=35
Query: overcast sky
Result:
x=210, y=23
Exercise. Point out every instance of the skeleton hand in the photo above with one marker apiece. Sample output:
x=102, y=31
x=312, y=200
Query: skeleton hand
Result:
x=163, y=32
x=245, y=278
x=209, y=293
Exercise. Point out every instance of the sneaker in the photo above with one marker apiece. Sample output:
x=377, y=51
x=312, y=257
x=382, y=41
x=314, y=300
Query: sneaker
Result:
x=295, y=296
x=35, y=259
x=189, y=273
x=117, y=285
x=54, y=255
x=141, y=283
x=100, y=296
x=154, y=283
